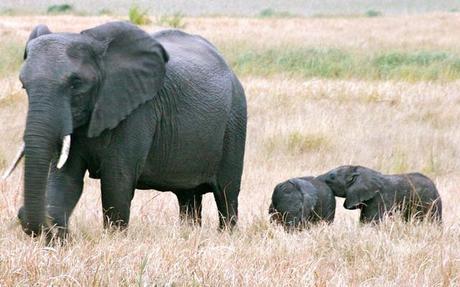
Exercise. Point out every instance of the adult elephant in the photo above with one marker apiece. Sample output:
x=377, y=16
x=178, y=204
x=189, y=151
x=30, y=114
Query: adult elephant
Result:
x=161, y=111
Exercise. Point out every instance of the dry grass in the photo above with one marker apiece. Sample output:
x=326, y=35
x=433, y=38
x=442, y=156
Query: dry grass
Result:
x=431, y=31
x=296, y=127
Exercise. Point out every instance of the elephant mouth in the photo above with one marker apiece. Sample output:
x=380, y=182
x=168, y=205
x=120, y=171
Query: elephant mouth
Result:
x=276, y=217
x=356, y=206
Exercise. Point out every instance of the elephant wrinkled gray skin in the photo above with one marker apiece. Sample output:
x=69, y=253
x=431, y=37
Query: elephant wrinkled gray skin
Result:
x=300, y=201
x=377, y=195
x=160, y=111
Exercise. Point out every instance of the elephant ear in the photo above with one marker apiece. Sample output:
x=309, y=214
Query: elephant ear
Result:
x=133, y=65
x=309, y=196
x=356, y=196
x=363, y=187
x=38, y=31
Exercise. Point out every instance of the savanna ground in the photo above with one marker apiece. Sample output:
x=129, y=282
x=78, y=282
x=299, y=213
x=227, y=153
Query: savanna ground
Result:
x=381, y=92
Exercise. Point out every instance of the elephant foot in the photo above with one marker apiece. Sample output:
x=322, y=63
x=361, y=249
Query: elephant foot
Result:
x=190, y=219
x=21, y=214
x=25, y=225
x=57, y=236
x=53, y=234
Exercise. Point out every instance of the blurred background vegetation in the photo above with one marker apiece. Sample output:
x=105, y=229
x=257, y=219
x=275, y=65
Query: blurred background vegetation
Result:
x=292, y=60
x=261, y=8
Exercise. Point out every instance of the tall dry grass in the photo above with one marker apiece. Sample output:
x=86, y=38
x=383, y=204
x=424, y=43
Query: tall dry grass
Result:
x=296, y=127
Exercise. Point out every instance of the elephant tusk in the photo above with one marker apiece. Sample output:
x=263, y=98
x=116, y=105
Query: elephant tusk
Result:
x=18, y=157
x=64, y=152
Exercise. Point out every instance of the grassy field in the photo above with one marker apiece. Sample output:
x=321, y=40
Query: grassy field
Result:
x=380, y=92
x=260, y=8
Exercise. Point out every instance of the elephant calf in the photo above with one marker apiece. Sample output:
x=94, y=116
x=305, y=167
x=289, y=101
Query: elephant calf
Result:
x=376, y=194
x=302, y=200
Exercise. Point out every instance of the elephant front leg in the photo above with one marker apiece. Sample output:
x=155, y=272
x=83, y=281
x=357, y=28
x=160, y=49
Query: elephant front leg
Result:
x=372, y=212
x=117, y=194
x=64, y=189
x=189, y=206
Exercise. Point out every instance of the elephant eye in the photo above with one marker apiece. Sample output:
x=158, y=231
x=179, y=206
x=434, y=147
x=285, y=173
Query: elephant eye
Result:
x=75, y=83
x=351, y=179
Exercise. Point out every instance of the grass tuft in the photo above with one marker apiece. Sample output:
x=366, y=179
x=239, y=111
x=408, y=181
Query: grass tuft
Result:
x=373, y=13
x=60, y=9
x=138, y=16
x=271, y=13
x=175, y=20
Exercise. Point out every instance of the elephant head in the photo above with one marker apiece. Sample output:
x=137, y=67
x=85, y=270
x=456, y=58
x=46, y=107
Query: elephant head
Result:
x=356, y=183
x=291, y=203
x=90, y=80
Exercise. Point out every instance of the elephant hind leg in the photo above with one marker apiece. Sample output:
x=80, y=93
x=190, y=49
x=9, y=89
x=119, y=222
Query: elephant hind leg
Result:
x=190, y=205
x=226, y=196
x=228, y=181
x=433, y=211
x=436, y=210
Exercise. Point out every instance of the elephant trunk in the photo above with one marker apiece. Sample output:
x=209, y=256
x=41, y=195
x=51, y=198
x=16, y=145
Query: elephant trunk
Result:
x=42, y=137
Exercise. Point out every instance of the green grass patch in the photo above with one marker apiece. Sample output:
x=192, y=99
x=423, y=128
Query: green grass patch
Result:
x=343, y=64
x=175, y=20
x=11, y=57
x=271, y=13
x=419, y=65
x=59, y=9
x=304, y=62
x=138, y=16
x=373, y=13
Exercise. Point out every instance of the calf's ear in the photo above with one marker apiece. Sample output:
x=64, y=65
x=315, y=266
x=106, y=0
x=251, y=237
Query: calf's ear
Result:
x=356, y=196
